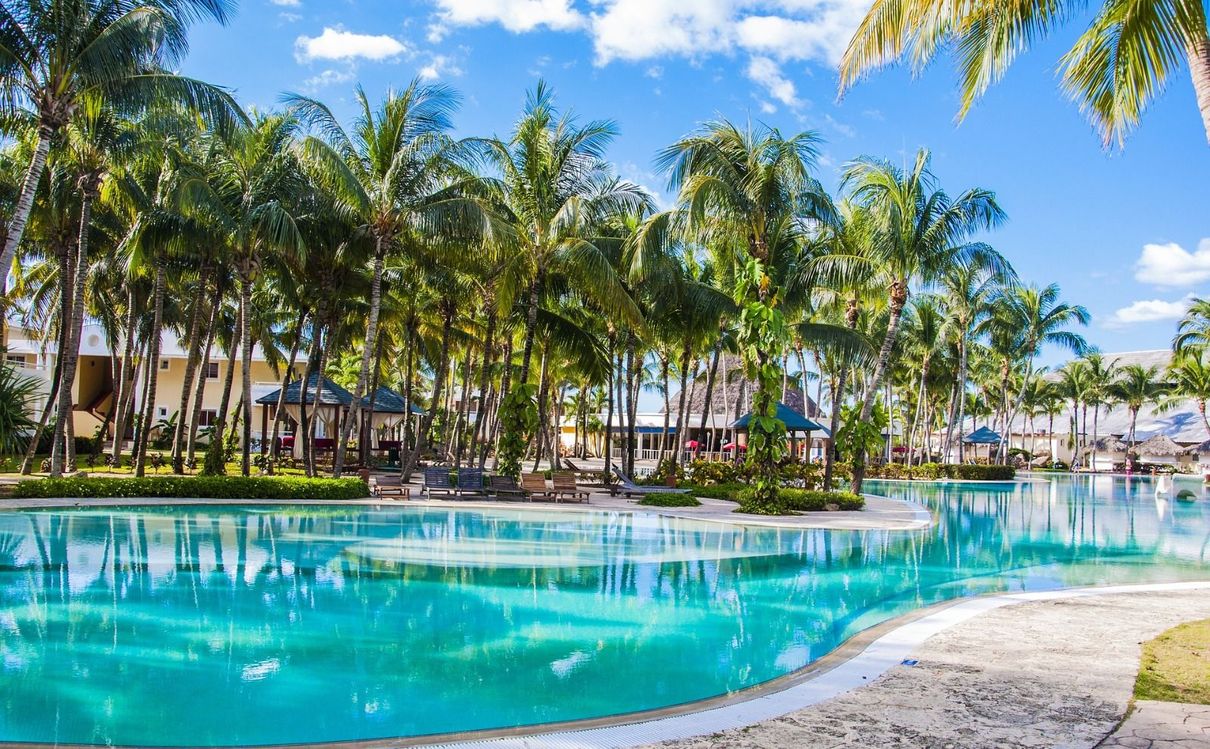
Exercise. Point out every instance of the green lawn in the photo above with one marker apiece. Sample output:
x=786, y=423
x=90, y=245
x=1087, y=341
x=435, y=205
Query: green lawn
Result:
x=12, y=466
x=1176, y=666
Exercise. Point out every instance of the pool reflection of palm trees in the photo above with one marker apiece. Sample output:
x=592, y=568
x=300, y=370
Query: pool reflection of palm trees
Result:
x=335, y=623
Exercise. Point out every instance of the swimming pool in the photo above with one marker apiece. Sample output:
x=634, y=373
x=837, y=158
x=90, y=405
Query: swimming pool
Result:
x=206, y=625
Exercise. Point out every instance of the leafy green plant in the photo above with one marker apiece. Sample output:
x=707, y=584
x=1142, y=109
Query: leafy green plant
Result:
x=17, y=394
x=765, y=337
x=859, y=437
x=219, y=487
x=518, y=422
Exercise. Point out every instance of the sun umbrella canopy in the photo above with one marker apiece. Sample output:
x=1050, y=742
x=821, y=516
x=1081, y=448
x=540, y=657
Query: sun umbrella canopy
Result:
x=982, y=436
x=692, y=445
x=794, y=421
x=732, y=446
x=389, y=401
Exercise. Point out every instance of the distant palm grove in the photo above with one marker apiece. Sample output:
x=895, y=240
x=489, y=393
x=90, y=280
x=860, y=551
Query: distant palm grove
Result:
x=520, y=272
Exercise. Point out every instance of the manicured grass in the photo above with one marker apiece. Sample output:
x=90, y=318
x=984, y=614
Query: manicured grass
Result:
x=202, y=487
x=12, y=465
x=1176, y=666
x=669, y=500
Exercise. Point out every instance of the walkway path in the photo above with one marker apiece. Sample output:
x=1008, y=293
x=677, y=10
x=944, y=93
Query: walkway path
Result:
x=1045, y=674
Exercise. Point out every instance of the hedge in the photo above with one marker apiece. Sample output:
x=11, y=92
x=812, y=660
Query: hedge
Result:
x=933, y=471
x=200, y=487
x=811, y=500
x=669, y=500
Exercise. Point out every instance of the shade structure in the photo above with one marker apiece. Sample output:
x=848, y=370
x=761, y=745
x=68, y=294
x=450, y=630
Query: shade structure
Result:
x=982, y=436
x=333, y=399
x=1158, y=449
x=794, y=421
x=388, y=401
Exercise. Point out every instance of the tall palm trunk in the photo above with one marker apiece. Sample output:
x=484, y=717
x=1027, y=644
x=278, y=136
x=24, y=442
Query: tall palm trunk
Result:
x=531, y=324
x=25, y=203
x=89, y=187
x=199, y=395
x=67, y=286
x=245, y=342
x=153, y=371
x=27, y=465
x=708, y=403
x=609, y=404
x=485, y=373
x=443, y=363
x=302, y=435
x=682, y=418
x=279, y=413
x=367, y=355
x=1198, y=55
x=664, y=366
x=191, y=363
x=851, y=317
x=958, y=408
x=631, y=401
x=125, y=381
x=898, y=298
x=215, y=463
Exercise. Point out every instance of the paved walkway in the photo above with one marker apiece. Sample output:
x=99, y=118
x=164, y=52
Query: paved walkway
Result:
x=1046, y=674
x=1163, y=725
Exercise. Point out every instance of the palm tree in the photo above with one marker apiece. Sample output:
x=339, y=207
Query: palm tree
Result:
x=925, y=331
x=968, y=291
x=752, y=192
x=920, y=234
x=1137, y=386
x=557, y=192
x=1193, y=331
x=1073, y=386
x=56, y=53
x=399, y=174
x=1190, y=379
x=1032, y=318
x=1101, y=375
x=249, y=198
x=1113, y=71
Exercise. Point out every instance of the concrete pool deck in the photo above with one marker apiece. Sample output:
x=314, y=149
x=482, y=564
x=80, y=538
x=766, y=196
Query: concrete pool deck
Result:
x=880, y=513
x=1026, y=670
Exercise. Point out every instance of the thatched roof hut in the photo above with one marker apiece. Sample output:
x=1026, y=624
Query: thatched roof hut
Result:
x=1197, y=450
x=735, y=396
x=1109, y=444
x=1160, y=446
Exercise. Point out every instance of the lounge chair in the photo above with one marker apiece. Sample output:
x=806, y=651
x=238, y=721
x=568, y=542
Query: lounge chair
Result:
x=505, y=488
x=535, y=485
x=591, y=478
x=628, y=488
x=470, y=482
x=565, y=487
x=392, y=484
x=437, y=483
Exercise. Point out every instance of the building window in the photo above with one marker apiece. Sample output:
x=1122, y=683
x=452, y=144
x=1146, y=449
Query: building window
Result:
x=164, y=365
x=17, y=360
x=162, y=411
x=207, y=417
x=212, y=370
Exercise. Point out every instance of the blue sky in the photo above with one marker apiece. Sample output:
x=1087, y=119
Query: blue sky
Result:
x=1126, y=233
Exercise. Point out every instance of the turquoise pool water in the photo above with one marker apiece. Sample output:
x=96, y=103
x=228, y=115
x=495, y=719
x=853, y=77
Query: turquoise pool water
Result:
x=266, y=625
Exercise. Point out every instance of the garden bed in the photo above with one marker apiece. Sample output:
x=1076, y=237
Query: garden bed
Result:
x=190, y=487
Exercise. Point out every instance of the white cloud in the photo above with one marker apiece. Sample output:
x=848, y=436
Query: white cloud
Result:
x=767, y=108
x=440, y=66
x=514, y=15
x=329, y=77
x=1149, y=310
x=338, y=44
x=641, y=29
x=764, y=71
x=288, y=3
x=1173, y=265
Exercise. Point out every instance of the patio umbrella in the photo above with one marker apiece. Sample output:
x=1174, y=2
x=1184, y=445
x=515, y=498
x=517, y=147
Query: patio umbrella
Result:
x=692, y=445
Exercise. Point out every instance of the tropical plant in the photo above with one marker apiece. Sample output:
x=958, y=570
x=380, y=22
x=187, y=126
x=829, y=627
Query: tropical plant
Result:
x=1121, y=61
x=18, y=394
x=1137, y=386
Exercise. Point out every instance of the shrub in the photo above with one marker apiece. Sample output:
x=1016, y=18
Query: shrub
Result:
x=201, y=487
x=808, y=500
x=730, y=490
x=933, y=471
x=707, y=472
x=669, y=500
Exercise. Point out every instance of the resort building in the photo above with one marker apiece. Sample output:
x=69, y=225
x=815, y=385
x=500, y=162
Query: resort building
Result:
x=1165, y=434
x=94, y=390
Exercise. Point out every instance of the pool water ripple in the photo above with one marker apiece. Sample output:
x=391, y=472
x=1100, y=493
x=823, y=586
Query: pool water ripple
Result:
x=228, y=625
